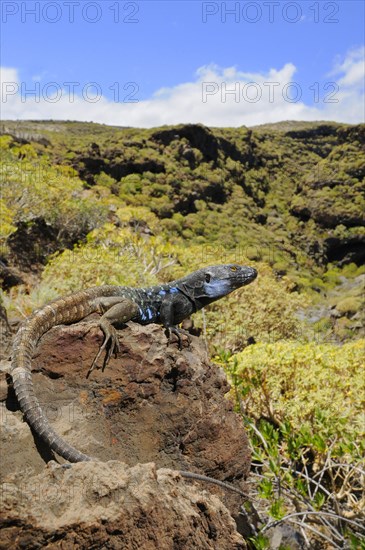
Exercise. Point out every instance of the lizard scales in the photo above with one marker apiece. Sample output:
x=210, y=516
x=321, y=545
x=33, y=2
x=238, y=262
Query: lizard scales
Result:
x=166, y=304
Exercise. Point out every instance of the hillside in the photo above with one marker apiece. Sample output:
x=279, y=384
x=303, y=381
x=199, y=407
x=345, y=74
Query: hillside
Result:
x=287, y=194
x=86, y=204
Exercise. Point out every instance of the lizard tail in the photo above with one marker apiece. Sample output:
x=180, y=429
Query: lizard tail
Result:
x=70, y=309
x=207, y=479
x=23, y=385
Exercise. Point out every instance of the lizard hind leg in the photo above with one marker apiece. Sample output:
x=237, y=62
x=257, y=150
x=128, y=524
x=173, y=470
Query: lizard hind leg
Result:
x=119, y=313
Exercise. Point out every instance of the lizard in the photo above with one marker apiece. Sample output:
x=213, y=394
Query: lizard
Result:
x=167, y=304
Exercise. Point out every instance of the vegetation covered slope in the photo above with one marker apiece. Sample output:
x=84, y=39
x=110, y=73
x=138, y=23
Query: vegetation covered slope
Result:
x=86, y=204
x=289, y=195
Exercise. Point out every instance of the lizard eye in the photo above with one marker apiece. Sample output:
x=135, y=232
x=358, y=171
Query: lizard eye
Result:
x=207, y=278
x=233, y=268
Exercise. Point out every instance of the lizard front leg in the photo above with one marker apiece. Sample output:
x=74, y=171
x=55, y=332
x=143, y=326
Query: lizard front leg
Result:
x=170, y=330
x=167, y=316
x=117, y=311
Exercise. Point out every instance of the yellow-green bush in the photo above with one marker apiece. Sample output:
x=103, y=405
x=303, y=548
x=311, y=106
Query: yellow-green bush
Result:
x=32, y=187
x=316, y=388
x=265, y=310
x=303, y=406
x=6, y=225
x=349, y=306
x=110, y=256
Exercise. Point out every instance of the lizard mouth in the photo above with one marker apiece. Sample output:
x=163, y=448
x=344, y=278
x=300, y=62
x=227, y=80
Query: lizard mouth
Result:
x=252, y=273
x=247, y=275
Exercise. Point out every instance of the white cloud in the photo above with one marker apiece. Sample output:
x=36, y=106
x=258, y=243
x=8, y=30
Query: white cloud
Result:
x=352, y=68
x=216, y=97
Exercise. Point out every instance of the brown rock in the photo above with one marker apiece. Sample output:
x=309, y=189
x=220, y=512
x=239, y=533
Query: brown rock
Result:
x=153, y=404
x=109, y=505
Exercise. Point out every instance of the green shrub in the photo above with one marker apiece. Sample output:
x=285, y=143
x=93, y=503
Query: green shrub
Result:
x=34, y=188
x=104, y=180
x=349, y=306
x=303, y=406
x=120, y=257
x=317, y=388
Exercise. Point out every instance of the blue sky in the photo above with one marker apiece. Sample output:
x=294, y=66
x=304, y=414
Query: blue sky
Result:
x=160, y=62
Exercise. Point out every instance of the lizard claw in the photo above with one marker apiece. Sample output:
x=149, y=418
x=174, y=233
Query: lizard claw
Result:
x=110, y=343
x=178, y=332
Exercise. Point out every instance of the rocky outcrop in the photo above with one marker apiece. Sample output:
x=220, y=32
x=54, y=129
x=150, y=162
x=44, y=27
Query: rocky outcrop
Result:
x=199, y=136
x=327, y=214
x=9, y=277
x=246, y=153
x=110, y=505
x=346, y=250
x=353, y=133
x=119, y=170
x=35, y=240
x=112, y=162
x=153, y=408
x=319, y=131
x=97, y=505
x=38, y=238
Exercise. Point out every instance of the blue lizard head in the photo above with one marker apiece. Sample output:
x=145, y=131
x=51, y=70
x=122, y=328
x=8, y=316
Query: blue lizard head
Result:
x=213, y=282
